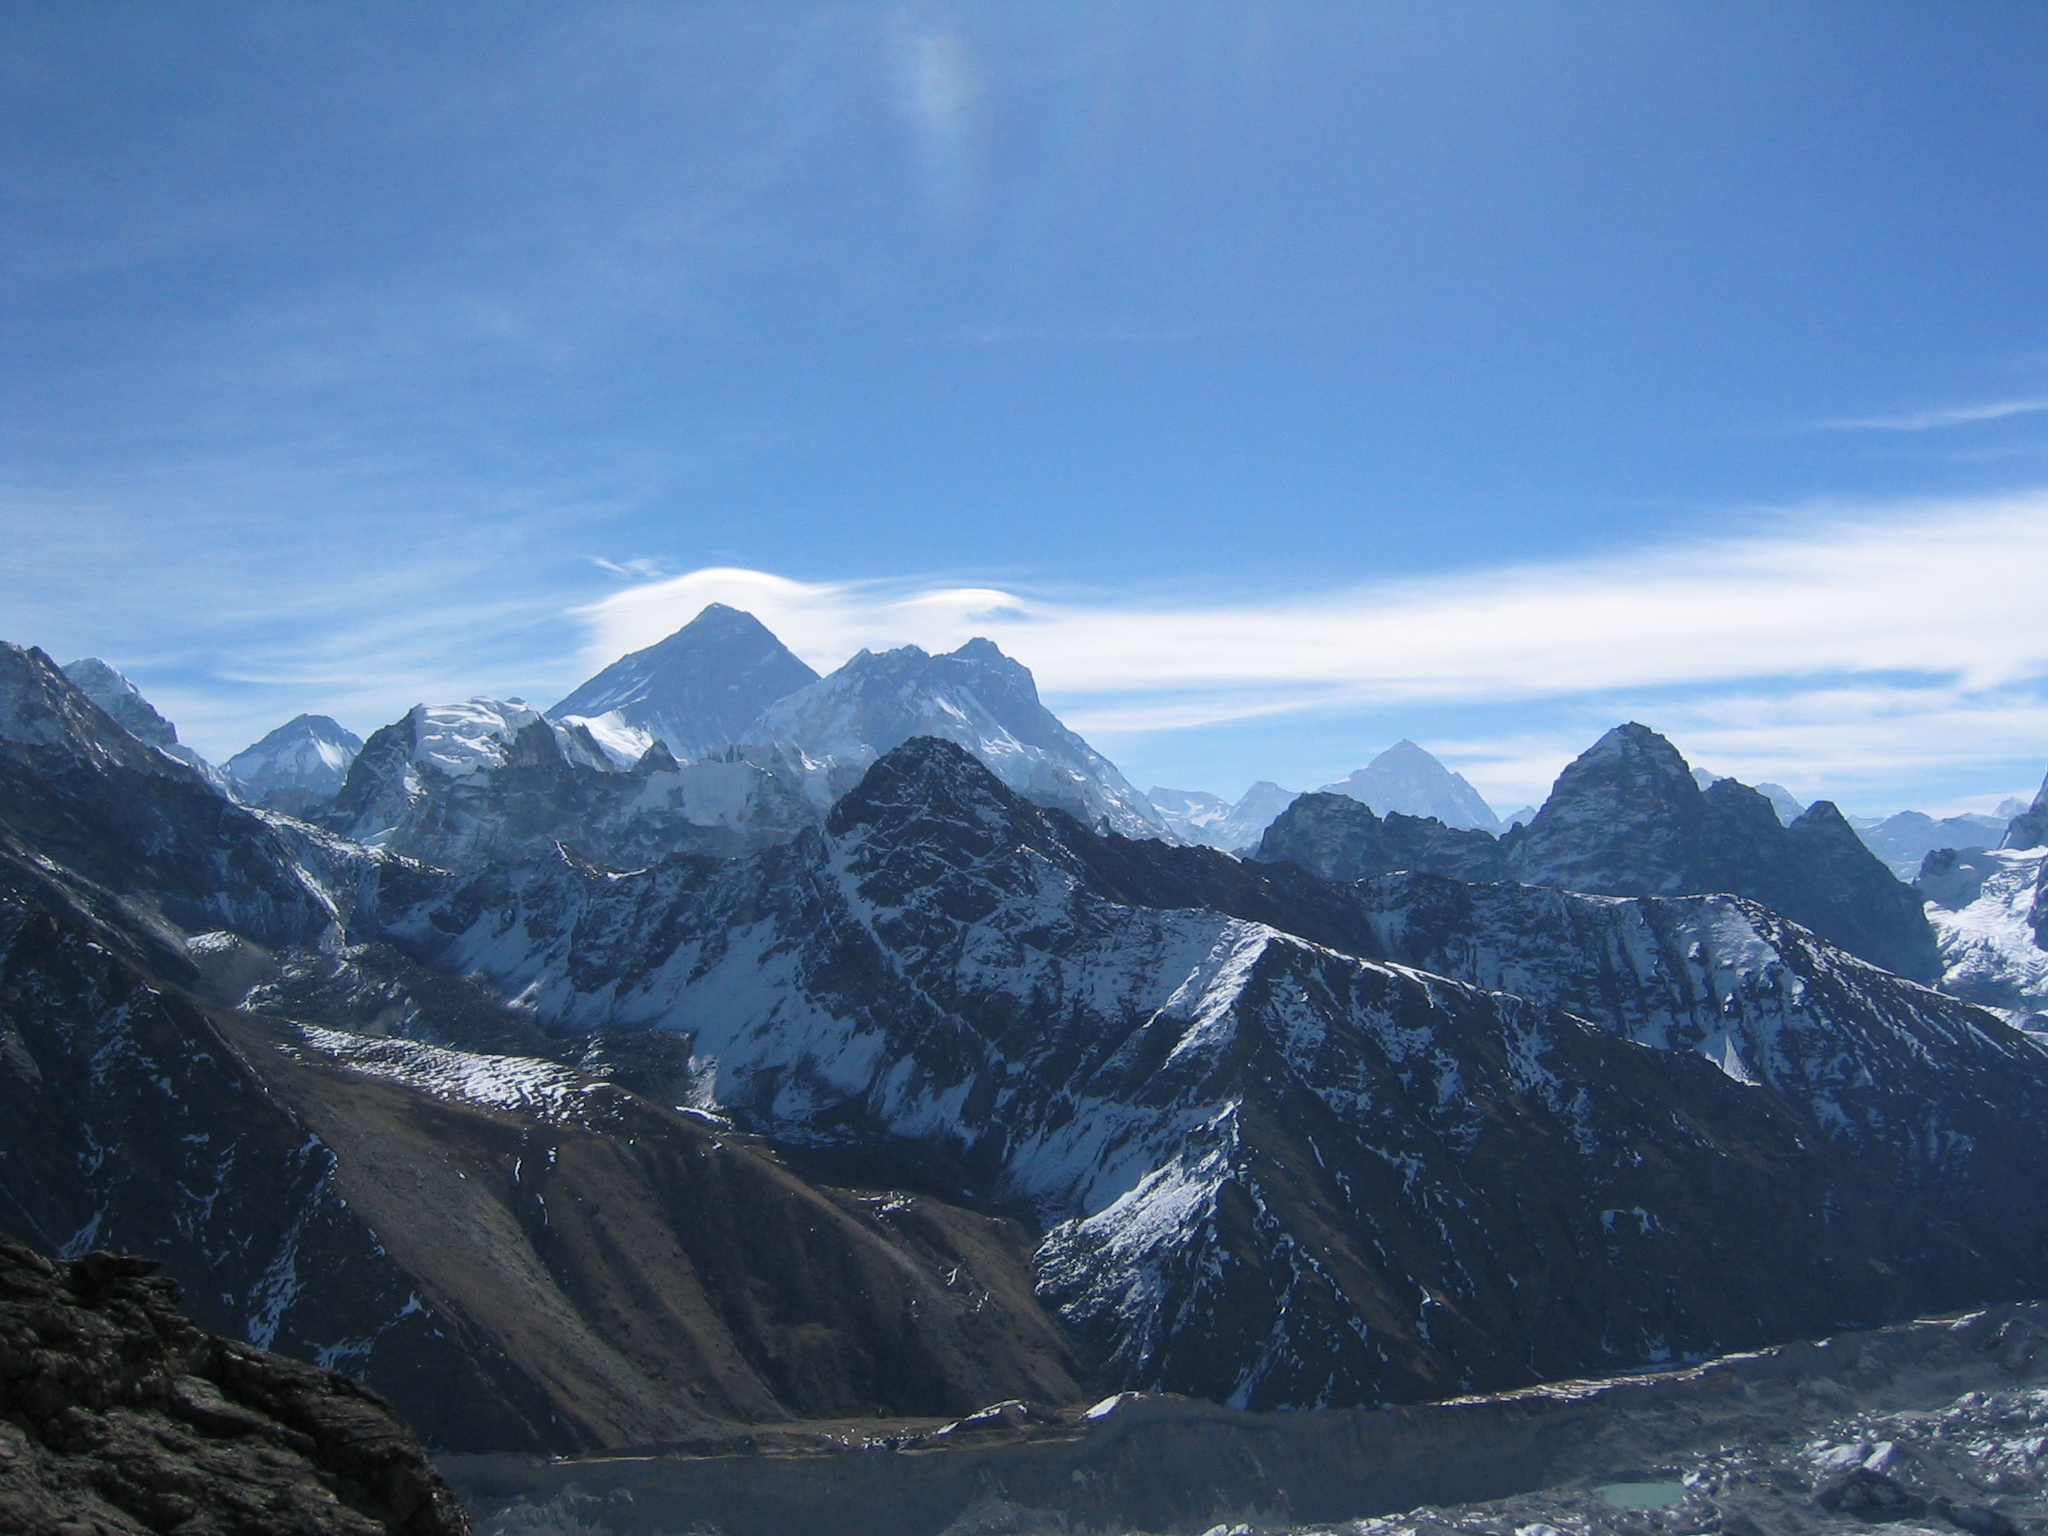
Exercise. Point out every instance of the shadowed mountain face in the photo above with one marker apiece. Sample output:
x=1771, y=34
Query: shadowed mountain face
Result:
x=124, y=1417
x=126, y=706
x=1339, y=838
x=1628, y=818
x=695, y=691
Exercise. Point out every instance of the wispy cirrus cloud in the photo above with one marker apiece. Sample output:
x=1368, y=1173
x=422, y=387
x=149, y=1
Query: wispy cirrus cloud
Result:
x=1842, y=648
x=1929, y=421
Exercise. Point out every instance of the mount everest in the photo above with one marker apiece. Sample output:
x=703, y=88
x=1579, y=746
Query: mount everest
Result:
x=881, y=1053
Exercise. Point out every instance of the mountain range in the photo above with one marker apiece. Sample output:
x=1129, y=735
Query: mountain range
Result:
x=888, y=1056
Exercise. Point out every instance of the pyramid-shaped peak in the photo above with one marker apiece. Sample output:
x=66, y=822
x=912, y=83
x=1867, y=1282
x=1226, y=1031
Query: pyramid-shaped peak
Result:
x=1635, y=742
x=696, y=690
x=722, y=618
x=1407, y=778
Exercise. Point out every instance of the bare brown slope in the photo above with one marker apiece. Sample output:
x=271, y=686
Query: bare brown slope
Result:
x=549, y=1280
x=653, y=1275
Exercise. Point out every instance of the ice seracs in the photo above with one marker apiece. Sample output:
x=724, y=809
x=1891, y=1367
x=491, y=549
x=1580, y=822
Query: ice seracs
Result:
x=1980, y=902
x=1407, y=779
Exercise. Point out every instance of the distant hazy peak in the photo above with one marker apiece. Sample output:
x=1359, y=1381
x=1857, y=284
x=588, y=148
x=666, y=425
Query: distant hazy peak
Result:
x=1407, y=779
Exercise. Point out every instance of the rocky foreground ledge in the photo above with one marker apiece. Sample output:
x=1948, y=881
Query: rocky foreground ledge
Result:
x=119, y=1415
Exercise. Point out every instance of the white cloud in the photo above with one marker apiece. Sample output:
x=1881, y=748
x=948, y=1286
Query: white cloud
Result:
x=1950, y=591
x=1845, y=650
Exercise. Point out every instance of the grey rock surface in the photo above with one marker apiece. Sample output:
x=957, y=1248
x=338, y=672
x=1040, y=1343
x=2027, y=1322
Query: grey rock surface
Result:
x=119, y=1415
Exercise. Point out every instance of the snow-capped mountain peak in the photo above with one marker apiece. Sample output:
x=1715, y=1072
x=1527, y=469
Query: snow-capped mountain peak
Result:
x=109, y=688
x=120, y=698
x=975, y=697
x=1406, y=778
x=302, y=762
x=695, y=691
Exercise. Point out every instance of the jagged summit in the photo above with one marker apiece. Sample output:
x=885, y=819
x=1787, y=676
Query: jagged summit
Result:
x=975, y=697
x=302, y=763
x=124, y=703
x=1627, y=818
x=926, y=781
x=2029, y=829
x=113, y=692
x=1622, y=820
x=695, y=691
x=1408, y=779
x=42, y=707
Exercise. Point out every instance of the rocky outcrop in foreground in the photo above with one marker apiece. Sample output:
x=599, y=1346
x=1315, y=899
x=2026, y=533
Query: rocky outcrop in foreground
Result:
x=118, y=1415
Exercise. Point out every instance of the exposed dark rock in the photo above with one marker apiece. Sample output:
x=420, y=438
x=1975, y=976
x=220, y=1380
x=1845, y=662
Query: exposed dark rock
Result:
x=118, y=1414
x=1339, y=838
x=1627, y=819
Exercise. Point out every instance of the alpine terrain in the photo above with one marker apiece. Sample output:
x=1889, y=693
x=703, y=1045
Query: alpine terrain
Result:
x=892, y=1056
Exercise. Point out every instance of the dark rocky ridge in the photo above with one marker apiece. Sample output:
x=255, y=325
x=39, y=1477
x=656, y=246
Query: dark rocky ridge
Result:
x=118, y=1415
x=1628, y=818
x=1340, y=838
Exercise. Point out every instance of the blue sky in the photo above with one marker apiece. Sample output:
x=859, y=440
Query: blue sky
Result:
x=1277, y=380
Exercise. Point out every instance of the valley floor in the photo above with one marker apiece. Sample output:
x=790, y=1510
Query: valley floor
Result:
x=1939, y=1425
